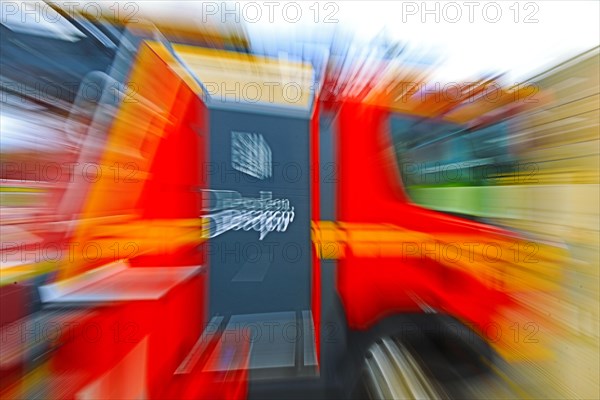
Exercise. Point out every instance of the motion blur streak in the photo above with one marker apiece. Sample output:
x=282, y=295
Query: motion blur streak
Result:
x=196, y=207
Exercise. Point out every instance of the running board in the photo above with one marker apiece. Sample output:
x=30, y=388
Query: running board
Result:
x=281, y=345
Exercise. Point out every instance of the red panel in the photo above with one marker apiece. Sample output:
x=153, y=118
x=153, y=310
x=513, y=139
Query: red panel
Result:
x=370, y=191
x=315, y=216
x=96, y=344
x=172, y=191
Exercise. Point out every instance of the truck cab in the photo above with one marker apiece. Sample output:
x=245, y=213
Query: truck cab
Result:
x=230, y=233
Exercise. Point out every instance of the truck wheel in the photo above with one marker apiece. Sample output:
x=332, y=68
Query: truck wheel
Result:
x=415, y=356
x=391, y=372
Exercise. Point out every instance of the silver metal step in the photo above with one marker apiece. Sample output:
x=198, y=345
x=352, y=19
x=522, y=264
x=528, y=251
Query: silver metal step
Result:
x=281, y=344
x=191, y=360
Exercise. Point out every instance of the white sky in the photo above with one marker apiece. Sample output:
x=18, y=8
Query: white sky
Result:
x=563, y=28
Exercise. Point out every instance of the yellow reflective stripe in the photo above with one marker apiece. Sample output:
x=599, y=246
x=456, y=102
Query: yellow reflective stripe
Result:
x=513, y=264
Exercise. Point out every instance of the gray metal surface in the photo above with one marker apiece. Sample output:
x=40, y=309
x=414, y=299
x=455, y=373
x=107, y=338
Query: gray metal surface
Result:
x=272, y=338
x=249, y=272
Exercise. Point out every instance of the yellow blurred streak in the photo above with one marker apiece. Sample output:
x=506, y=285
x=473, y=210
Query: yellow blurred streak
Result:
x=225, y=73
x=517, y=265
x=20, y=273
x=123, y=241
x=562, y=138
x=167, y=56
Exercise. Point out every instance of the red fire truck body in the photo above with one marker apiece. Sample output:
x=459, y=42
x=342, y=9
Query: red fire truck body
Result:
x=145, y=308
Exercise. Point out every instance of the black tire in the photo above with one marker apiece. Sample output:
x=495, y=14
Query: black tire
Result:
x=447, y=352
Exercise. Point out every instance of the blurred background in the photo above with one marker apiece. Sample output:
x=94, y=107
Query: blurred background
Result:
x=496, y=112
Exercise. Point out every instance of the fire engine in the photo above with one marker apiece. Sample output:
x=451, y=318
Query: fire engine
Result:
x=228, y=226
